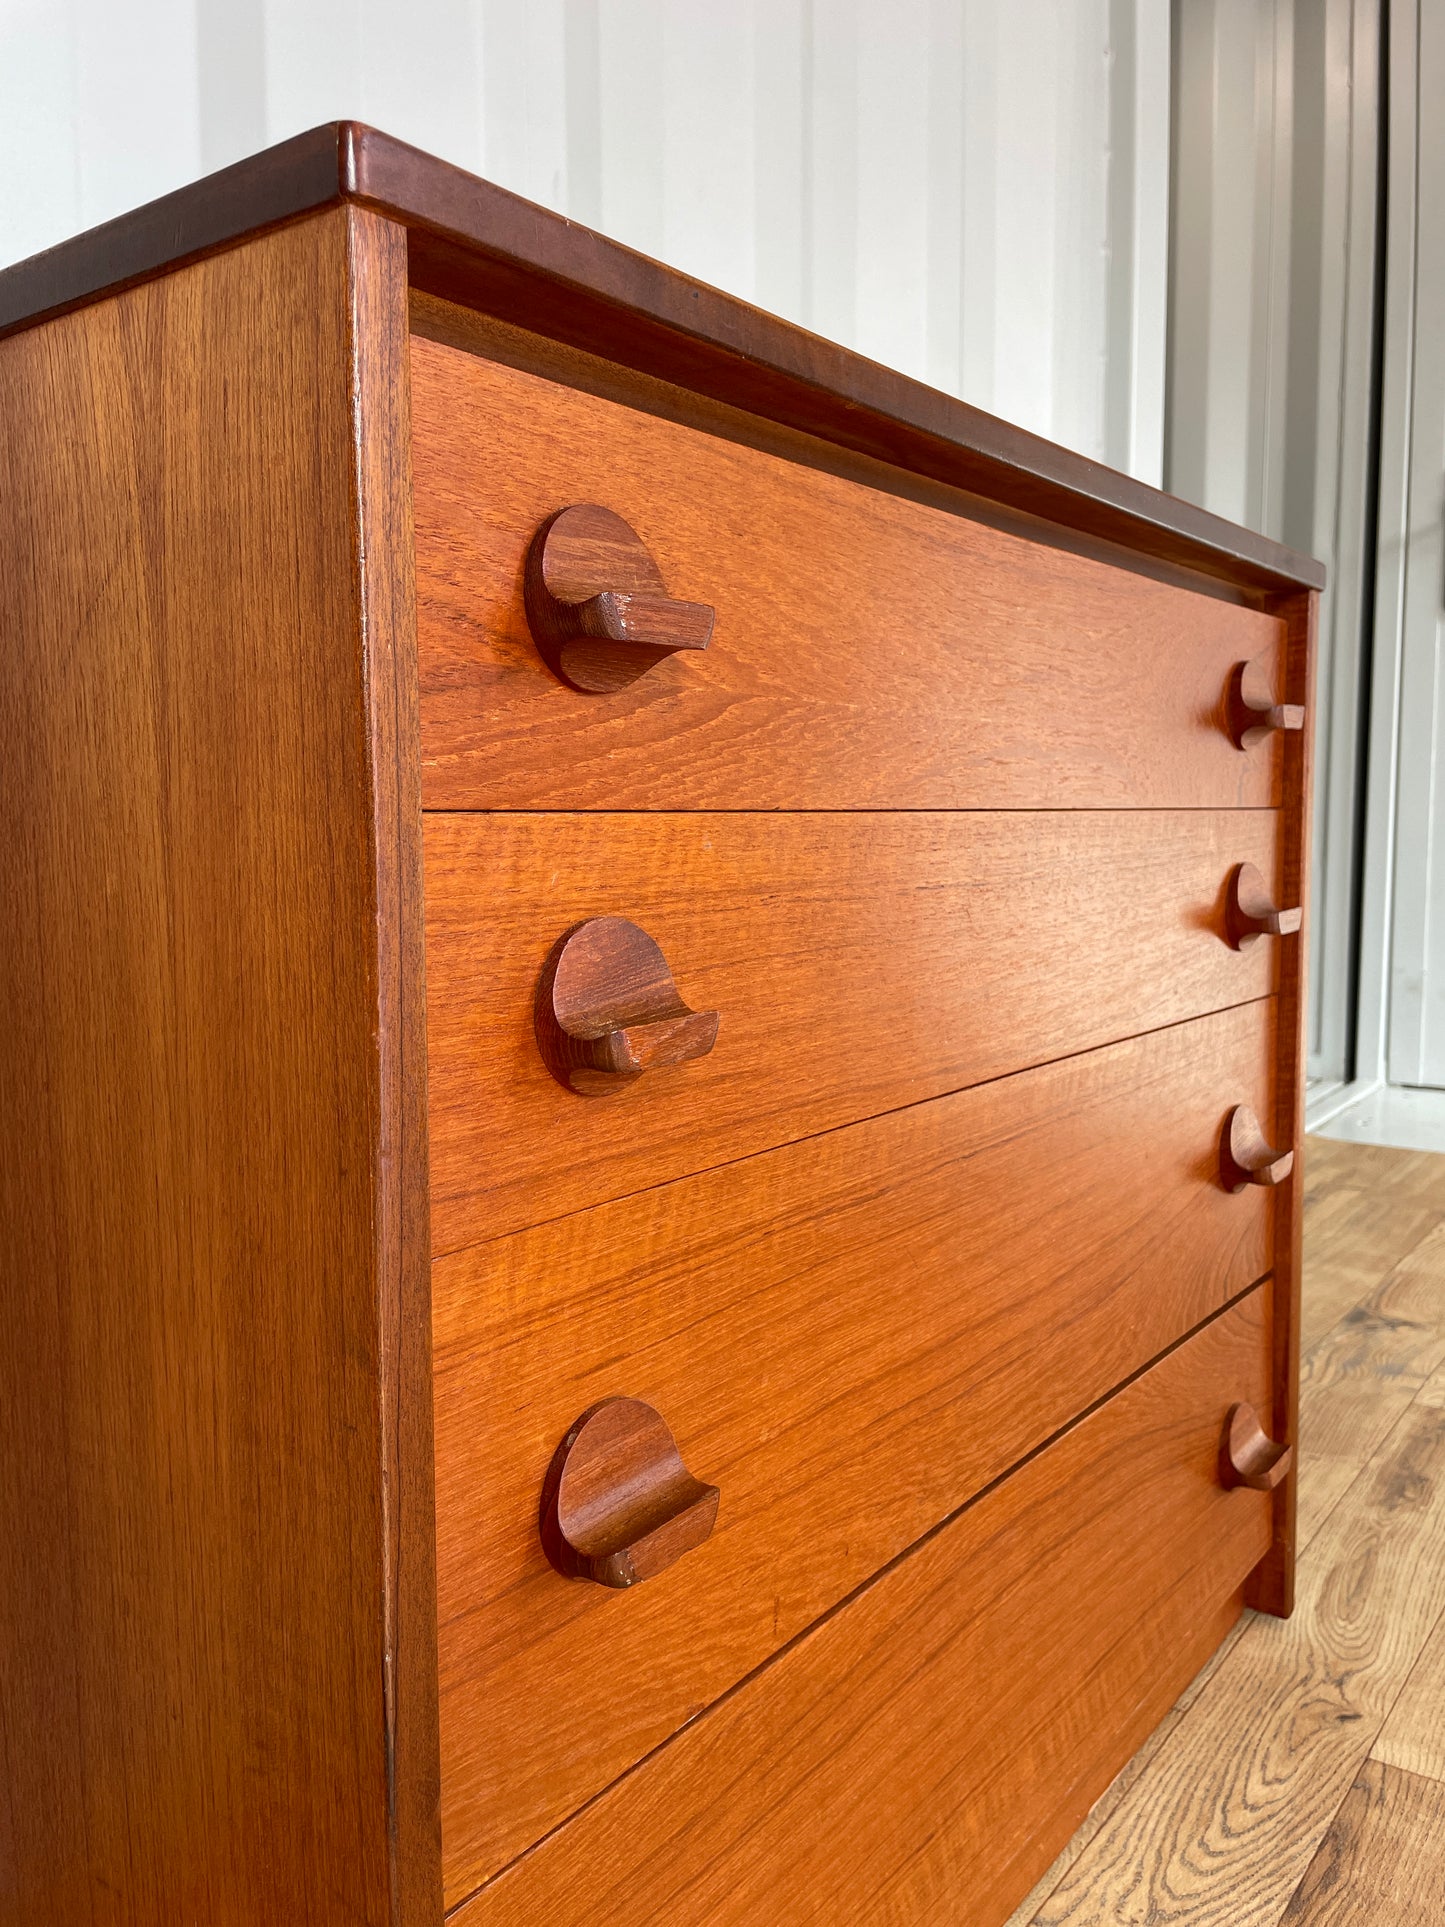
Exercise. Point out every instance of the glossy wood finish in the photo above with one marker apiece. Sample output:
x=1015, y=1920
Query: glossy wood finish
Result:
x=861, y=962
x=1222, y=1823
x=380, y=396
x=1248, y=1456
x=850, y=1336
x=607, y=1009
x=957, y=1718
x=1251, y=912
x=220, y=1668
x=215, y=1486
x=597, y=605
x=618, y=1505
x=869, y=651
x=476, y=243
x=1253, y=711
x=1246, y=1156
x=483, y=334
x=1272, y=1588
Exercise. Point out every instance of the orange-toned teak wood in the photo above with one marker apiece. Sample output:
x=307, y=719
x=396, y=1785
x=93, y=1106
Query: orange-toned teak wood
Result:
x=869, y=652
x=849, y=1336
x=899, y=822
x=957, y=1719
x=858, y=961
x=217, y=1672
x=1272, y=1587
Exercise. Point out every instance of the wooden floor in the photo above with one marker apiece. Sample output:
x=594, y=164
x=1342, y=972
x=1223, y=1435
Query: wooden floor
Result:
x=1302, y=1776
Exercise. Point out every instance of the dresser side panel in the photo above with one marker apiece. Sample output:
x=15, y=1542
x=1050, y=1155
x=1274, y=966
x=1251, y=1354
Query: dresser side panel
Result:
x=192, y=1698
x=1272, y=1588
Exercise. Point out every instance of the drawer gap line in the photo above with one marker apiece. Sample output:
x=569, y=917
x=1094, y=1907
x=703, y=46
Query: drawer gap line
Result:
x=865, y=1585
x=871, y=1117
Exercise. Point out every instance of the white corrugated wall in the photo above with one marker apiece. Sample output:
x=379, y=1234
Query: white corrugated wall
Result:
x=1276, y=136
x=974, y=191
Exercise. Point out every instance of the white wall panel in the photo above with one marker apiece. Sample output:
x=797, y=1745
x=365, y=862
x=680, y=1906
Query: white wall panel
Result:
x=523, y=55
x=970, y=190
x=893, y=246
x=1027, y=163
x=39, y=163
x=1417, y=965
x=137, y=119
x=1272, y=352
x=978, y=306
x=782, y=173
x=708, y=121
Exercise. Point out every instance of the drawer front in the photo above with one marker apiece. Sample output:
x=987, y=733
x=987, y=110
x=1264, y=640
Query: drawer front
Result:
x=924, y=1753
x=869, y=651
x=849, y=1337
x=859, y=963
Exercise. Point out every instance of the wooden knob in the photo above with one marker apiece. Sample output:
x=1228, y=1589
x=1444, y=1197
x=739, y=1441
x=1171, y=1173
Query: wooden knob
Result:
x=1247, y=1454
x=619, y=1505
x=1246, y=1157
x=1250, y=912
x=607, y=1009
x=597, y=605
x=1251, y=712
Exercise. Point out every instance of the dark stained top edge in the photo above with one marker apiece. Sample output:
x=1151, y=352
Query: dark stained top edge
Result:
x=290, y=179
x=474, y=242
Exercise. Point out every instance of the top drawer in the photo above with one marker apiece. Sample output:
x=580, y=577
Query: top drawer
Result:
x=869, y=651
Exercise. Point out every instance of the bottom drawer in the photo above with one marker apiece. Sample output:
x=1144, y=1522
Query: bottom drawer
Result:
x=931, y=1745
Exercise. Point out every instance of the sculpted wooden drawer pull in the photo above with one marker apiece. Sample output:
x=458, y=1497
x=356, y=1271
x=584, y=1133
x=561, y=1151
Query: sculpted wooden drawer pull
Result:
x=1251, y=913
x=1248, y=1456
x=597, y=605
x=619, y=1505
x=607, y=1009
x=1252, y=715
x=1245, y=1155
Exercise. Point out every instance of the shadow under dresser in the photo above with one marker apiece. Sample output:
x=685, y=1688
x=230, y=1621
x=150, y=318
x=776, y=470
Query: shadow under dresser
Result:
x=650, y=1100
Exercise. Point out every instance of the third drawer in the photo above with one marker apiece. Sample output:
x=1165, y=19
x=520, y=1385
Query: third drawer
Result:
x=922, y=1754
x=859, y=962
x=848, y=1336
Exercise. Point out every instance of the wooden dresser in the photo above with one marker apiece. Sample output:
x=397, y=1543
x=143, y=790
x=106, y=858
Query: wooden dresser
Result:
x=653, y=994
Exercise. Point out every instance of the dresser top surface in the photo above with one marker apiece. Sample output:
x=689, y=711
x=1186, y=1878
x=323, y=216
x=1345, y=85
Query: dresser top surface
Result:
x=477, y=244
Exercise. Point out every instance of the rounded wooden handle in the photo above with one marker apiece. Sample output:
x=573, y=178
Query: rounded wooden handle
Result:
x=1251, y=711
x=1251, y=913
x=597, y=606
x=1246, y=1156
x=607, y=1009
x=619, y=1506
x=1248, y=1455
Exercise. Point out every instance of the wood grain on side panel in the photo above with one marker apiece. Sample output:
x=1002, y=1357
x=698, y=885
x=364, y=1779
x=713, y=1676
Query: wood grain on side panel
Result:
x=847, y=1336
x=869, y=652
x=858, y=961
x=208, y=1171
x=927, y=1749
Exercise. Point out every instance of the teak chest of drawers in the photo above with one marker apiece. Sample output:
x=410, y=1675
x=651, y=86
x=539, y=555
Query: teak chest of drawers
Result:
x=653, y=989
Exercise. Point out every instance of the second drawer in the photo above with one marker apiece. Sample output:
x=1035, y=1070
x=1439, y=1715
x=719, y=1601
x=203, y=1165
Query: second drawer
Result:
x=858, y=962
x=849, y=1336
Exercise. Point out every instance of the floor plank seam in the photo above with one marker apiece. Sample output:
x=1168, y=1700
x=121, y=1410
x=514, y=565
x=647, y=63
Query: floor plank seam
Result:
x=1223, y=1820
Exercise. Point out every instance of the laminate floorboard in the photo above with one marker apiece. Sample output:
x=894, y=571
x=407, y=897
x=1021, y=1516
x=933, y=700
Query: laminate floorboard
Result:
x=1301, y=1778
x=1382, y=1862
